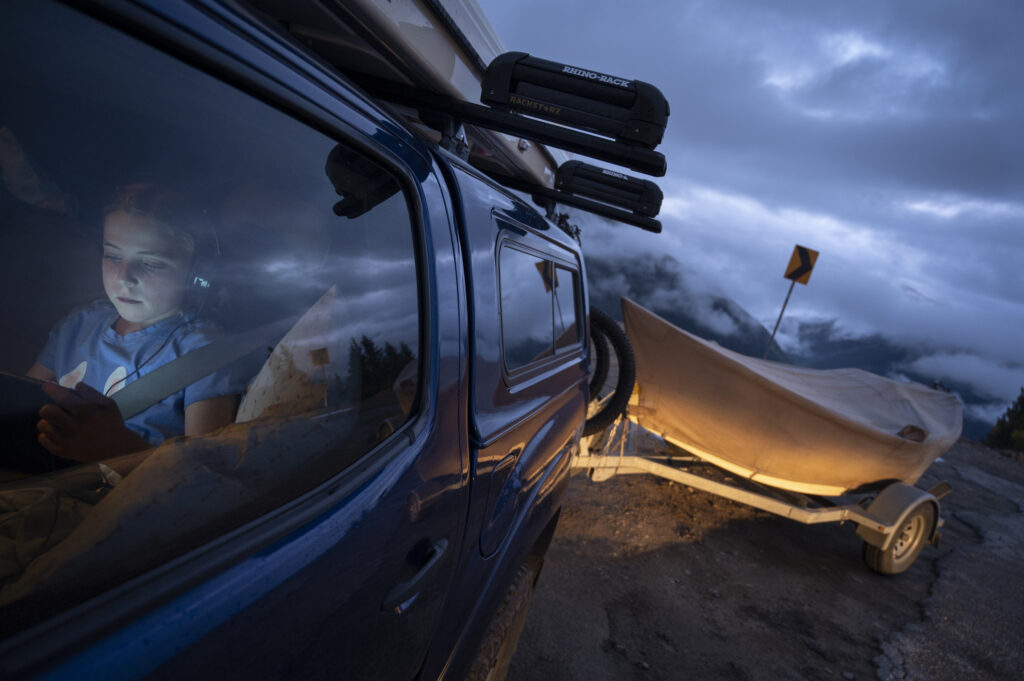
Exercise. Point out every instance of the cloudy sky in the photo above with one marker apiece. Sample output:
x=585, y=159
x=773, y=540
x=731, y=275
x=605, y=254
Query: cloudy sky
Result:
x=886, y=135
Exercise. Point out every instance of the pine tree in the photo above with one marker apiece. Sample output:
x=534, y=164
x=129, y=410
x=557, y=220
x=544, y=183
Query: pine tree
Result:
x=373, y=369
x=1008, y=433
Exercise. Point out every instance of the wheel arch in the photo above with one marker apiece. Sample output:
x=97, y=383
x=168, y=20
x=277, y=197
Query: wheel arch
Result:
x=891, y=507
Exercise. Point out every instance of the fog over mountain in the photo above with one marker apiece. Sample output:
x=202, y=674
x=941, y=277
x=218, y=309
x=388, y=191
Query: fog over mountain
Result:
x=662, y=285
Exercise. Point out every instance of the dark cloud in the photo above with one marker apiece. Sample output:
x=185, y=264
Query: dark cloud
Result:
x=934, y=107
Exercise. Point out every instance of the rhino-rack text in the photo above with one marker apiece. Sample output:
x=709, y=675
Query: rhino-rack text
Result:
x=591, y=75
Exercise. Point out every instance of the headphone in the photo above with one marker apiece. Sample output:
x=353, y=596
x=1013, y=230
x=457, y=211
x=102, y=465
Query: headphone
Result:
x=201, y=292
x=206, y=254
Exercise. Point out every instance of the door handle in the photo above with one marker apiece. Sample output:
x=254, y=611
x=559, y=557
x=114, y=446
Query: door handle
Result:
x=403, y=595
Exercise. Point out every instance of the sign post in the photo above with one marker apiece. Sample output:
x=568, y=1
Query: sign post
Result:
x=798, y=270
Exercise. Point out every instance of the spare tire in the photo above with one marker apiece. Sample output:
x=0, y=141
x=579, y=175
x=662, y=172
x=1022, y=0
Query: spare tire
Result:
x=609, y=329
x=600, y=374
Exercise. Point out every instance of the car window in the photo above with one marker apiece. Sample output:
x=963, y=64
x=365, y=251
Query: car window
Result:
x=525, y=307
x=538, y=306
x=153, y=216
x=566, y=291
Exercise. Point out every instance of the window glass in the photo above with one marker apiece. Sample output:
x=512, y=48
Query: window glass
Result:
x=155, y=217
x=538, y=307
x=526, y=330
x=566, y=294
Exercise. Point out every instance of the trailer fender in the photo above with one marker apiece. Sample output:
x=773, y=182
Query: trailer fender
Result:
x=892, y=505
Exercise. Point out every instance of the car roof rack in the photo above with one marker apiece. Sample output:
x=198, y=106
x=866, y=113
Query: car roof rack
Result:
x=629, y=111
x=611, y=119
x=633, y=156
x=600, y=191
x=433, y=63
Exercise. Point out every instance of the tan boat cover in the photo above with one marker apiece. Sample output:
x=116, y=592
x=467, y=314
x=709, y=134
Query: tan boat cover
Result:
x=805, y=430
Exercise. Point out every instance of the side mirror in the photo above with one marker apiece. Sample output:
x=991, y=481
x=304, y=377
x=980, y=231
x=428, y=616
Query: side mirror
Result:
x=360, y=182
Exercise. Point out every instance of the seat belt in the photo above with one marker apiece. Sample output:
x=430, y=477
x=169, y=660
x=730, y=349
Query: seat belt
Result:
x=183, y=371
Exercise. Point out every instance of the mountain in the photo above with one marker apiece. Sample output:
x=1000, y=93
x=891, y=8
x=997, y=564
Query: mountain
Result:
x=664, y=287
x=667, y=288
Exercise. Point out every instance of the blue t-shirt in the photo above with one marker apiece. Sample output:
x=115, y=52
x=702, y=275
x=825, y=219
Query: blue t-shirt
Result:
x=85, y=347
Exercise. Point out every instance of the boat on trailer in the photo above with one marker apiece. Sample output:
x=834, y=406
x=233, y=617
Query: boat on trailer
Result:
x=812, y=446
x=822, y=432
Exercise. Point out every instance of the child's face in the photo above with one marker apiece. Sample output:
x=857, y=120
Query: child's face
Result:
x=144, y=269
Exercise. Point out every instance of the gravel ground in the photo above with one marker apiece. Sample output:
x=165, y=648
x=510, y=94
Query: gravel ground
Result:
x=647, y=579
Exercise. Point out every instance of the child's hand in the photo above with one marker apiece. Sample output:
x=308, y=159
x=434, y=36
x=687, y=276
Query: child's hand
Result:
x=84, y=425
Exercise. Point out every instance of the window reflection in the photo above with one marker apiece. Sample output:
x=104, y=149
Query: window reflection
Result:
x=310, y=283
x=525, y=307
x=538, y=307
x=566, y=294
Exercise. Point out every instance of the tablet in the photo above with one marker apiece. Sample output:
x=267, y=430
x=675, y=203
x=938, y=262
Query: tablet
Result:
x=20, y=400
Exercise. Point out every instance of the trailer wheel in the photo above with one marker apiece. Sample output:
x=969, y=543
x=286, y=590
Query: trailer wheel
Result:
x=616, y=337
x=911, y=536
x=499, y=644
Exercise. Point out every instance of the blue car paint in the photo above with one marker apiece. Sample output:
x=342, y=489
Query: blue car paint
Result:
x=134, y=652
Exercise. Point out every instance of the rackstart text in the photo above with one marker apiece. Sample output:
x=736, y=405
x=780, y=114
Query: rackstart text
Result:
x=590, y=75
x=535, y=105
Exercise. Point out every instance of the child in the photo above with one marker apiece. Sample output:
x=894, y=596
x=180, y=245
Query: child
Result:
x=148, y=255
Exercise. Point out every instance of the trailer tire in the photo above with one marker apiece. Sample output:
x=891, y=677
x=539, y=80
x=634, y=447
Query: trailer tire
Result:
x=499, y=644
x=610, y=329
x=913, y=533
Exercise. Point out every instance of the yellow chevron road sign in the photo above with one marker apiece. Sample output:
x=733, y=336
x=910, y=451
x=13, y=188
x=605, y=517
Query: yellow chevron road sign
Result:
x=801, y=264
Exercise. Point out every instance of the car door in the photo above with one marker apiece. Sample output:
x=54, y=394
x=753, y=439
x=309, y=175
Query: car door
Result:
x=529, y=391
x=316, y=535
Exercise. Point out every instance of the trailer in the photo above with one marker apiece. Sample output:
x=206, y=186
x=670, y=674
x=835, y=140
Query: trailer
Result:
x=894, y=520
x=811, y=446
